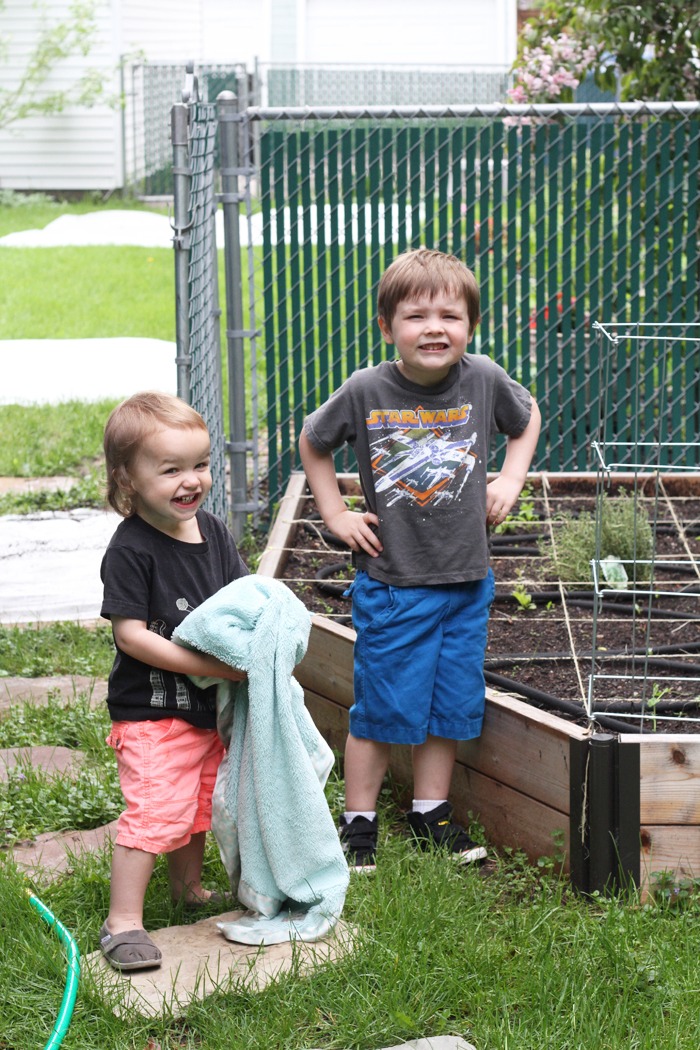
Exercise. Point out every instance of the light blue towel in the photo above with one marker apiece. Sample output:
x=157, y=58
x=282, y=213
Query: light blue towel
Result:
x=270, y=817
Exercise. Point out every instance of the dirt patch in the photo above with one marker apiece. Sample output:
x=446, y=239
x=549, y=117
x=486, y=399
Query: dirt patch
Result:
x=544, y=631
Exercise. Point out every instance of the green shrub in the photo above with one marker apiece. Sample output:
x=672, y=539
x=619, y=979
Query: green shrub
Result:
x=625, y=533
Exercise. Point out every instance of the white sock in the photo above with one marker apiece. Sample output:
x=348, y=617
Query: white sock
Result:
x=424, y=805
x=368, y=814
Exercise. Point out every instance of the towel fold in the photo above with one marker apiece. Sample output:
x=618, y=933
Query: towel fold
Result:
x=275, y=832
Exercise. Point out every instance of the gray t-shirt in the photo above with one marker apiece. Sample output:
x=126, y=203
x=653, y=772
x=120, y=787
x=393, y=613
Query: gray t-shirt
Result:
x=422, y=454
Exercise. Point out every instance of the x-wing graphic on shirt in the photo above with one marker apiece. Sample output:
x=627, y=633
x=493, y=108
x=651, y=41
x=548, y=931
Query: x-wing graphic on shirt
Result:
x=422, y=466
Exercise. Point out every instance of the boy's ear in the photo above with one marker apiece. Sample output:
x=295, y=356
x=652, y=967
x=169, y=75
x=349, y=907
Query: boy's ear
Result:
x=385, y=329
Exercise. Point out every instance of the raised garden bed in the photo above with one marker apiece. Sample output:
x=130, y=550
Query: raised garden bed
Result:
x=624, y=804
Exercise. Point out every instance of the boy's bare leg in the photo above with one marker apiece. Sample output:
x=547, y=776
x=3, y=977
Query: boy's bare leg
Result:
x=185, y=870
x=433, y=763
x=131, y=873
x=366, y=762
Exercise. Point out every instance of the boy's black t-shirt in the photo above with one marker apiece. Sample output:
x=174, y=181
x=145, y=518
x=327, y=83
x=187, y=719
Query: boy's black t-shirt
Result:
x=150, y=576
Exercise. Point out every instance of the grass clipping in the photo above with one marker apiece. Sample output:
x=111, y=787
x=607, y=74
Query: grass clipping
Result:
x=625, y=534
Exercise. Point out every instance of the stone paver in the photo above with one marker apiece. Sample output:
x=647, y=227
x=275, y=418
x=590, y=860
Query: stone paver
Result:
x=13, y=689
x=197, y=960
x=51, y=759
x=51, y=855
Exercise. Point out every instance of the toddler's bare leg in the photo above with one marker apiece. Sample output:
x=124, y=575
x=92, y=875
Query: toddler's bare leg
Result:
x=185, y=870
x=366, y=762
x=433, y=762
x=131, y=872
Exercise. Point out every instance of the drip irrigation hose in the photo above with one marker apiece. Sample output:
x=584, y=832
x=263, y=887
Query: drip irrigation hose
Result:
x=72, y=976
x=567, y=707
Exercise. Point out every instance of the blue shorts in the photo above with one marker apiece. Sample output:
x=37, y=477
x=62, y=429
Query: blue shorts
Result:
x=419, y=660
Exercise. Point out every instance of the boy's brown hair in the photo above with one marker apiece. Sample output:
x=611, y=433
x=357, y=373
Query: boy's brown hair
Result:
x=425, y=271
x=128, y=424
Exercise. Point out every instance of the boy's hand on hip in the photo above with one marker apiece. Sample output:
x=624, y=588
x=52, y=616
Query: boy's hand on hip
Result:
x=357, y=530
x=501, y=496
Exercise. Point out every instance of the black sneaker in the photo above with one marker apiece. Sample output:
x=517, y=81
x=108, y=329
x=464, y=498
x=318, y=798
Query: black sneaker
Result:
x=436, y=828
x=359, y=841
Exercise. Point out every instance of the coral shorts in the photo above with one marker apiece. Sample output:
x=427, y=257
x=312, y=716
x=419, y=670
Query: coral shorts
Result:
x=167, y=771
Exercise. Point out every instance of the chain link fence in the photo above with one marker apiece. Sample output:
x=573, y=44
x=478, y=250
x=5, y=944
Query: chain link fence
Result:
x=346, y=84
x=566, y=214
x=200, y=383
x=150, y=90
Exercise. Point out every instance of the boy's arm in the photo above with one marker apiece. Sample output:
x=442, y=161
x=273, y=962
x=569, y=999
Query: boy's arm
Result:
x=351, y=527
x=134, y=638
x=504, y=490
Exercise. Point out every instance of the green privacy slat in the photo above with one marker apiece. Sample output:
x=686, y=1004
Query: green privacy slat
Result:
x=364, y=306
x=539, y=208
x=415, y=158
x=443, y=189
x=523, y=245
x=296, y=295
x=565, y=253
x=471, y=207
x=608, y=291
x=498, y=341
x=663, y=222
x=308, y=356
x=269, y=141
x=347, y=187
x=429, y=147
x=679, y=174
x=483, y=219
x=455, y=161
x=586, y=386
x=336, y=333
x=374, y=173
x=651, y=304
x=511, y=241
x=323, y=347
x=551, y=256
x=386, y=147
x=283, y=325
x=402, y=149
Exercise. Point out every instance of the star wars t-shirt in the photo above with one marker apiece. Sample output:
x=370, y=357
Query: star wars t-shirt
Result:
x=422, y=454
x=152, y=577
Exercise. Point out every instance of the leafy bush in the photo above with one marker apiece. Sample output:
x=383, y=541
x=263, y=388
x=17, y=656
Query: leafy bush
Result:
x=625, y=534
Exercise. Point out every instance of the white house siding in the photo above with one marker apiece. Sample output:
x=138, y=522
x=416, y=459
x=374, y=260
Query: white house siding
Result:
x=76, y=149
x=376, y=32
x=236, y=30
x=81, y=149
x=163, y=30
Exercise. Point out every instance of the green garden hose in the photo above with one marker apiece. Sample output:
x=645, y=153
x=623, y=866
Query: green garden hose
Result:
x=72, y=977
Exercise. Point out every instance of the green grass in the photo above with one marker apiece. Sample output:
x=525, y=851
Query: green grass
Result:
x=66, y=438
x=55, y=648
x=87, y=293
x=507, y=956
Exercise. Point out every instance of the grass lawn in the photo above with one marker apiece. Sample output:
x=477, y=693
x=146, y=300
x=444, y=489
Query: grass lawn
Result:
x=506, y=956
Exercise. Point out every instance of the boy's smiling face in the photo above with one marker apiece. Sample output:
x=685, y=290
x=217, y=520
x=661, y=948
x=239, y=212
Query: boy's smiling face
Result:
x=430, y=336
x=170, y=478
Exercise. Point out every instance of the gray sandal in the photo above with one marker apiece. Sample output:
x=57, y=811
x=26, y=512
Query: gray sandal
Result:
x=129, y=950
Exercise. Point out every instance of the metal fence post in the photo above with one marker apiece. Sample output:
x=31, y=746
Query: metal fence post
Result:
x=179, y=117
x=237, y=446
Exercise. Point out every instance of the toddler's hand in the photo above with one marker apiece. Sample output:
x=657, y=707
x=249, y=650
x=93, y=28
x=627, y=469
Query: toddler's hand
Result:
x=357, y=530
x=501, y=496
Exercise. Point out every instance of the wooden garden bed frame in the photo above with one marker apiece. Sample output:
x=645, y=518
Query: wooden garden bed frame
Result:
x=622, y=808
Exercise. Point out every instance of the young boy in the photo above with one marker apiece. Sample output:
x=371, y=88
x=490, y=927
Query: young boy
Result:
x=421, y=428
x=164, y=559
